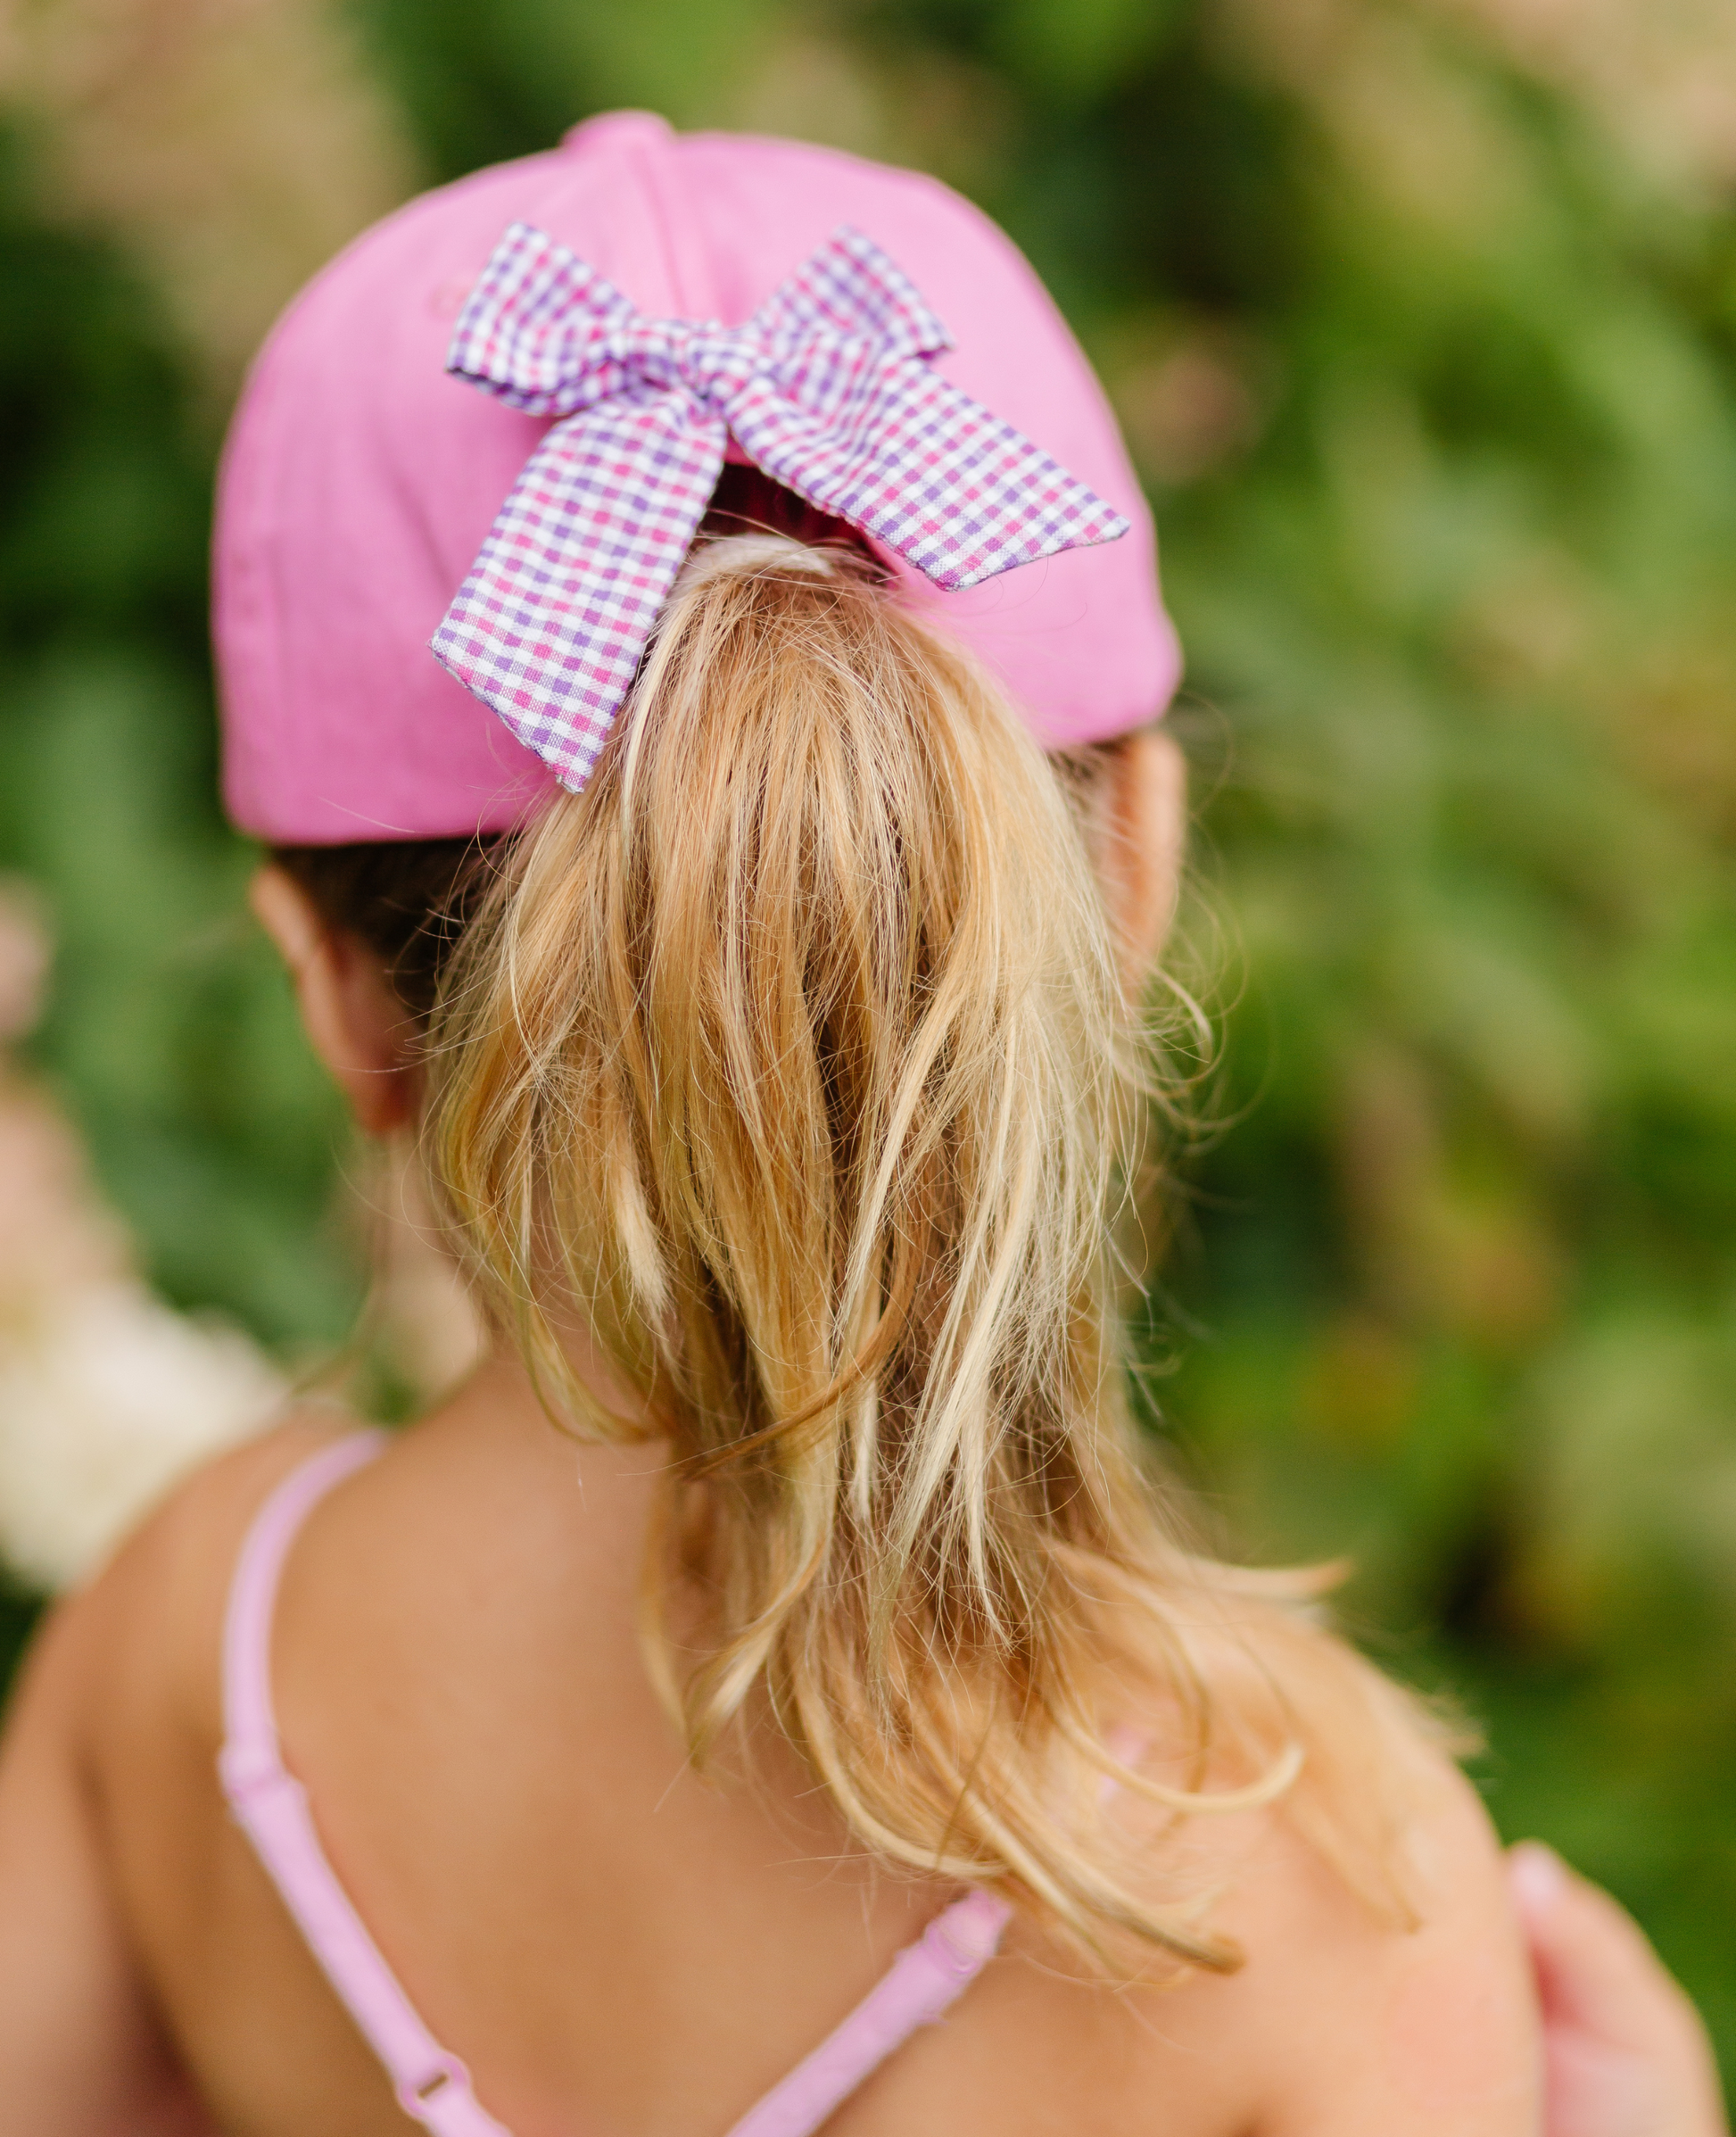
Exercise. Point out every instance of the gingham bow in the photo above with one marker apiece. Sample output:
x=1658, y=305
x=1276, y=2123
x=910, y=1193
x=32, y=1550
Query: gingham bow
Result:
x=825, y=387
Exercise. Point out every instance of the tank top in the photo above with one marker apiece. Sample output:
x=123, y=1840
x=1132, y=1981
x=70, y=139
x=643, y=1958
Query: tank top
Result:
x=432, y=2084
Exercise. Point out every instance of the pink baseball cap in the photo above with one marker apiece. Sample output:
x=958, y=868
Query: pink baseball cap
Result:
x=360, y=480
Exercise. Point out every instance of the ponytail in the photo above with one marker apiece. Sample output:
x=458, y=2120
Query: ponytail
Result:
x=791, y=1060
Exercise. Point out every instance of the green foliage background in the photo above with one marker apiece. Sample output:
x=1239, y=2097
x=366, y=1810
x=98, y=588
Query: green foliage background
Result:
x=1434, y=384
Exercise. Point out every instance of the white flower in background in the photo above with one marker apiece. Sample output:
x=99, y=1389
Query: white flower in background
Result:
x=106, y=1399
x=107, y=1396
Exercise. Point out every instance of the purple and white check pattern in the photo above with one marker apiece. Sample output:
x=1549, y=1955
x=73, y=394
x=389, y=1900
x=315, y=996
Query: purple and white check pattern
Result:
x=827, y=388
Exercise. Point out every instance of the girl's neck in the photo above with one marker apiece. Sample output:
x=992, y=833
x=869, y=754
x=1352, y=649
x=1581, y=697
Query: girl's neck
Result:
x=495, y=1415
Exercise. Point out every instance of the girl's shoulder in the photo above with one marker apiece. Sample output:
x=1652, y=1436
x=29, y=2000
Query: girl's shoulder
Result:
x=1383, y=1981
x=144, y=1638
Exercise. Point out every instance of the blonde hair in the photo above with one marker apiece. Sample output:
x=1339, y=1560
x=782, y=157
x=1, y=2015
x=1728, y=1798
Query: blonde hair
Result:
x=791, y=1059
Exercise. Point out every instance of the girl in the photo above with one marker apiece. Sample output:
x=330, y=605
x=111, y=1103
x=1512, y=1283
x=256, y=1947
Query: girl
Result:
x=778, y=1642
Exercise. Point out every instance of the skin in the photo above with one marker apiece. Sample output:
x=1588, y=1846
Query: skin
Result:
x=1626, y=2052
x=611, y=1944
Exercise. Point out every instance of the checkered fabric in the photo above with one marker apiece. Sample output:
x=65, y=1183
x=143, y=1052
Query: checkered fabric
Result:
x=827, y=388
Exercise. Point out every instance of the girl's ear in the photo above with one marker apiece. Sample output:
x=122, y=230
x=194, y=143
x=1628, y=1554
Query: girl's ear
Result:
x=1142, y=831
x=355, y=1023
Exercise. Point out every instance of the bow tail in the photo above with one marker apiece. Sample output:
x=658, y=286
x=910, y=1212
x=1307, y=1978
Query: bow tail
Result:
x=912, y=460
x=550, y=626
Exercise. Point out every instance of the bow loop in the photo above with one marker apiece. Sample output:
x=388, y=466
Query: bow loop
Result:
x=829, y=388
x=536, y=330
x=850, y=288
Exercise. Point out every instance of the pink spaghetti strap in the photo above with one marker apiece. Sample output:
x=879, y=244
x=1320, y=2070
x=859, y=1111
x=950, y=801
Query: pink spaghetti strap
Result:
x=432, y=2084
x=271, y=1807
x=924, y=1978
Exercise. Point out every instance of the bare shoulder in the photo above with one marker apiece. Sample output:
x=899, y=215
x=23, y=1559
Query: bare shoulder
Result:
x=99, y=1719
x=144, y=1634
x=1385, y=1983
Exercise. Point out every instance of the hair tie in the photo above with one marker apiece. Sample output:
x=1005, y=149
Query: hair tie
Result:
x=827, y=387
